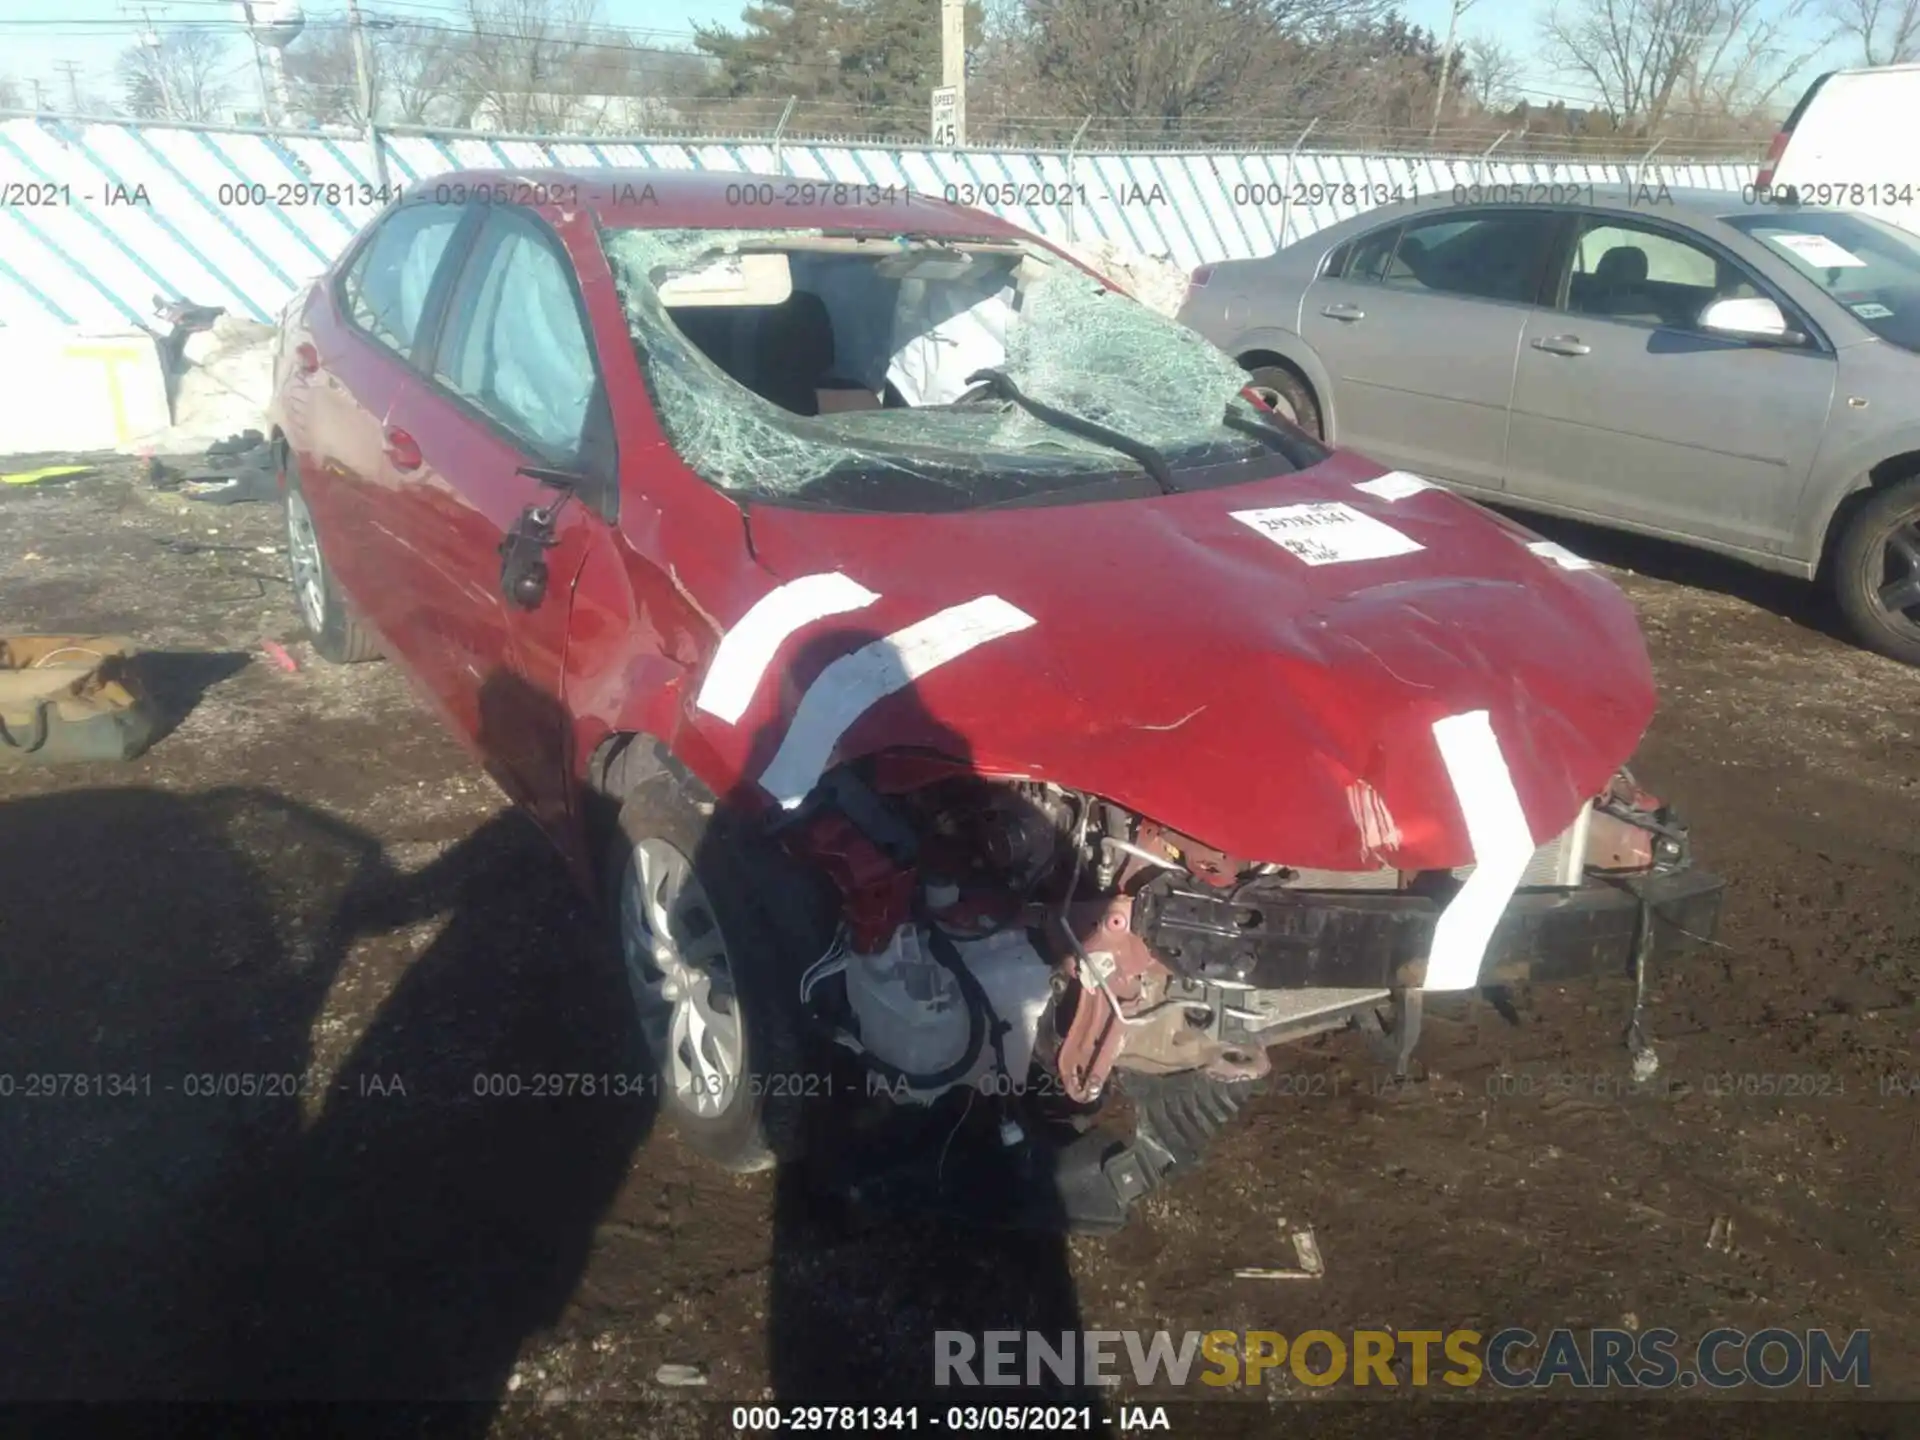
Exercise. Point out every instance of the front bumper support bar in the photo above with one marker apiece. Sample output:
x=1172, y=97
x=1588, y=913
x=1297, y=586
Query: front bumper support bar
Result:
x=1275, y=938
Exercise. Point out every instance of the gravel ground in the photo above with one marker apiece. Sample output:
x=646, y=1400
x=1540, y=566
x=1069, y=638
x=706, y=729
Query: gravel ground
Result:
x=308, y=879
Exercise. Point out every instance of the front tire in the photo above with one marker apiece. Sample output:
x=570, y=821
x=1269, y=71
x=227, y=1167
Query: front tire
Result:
x=1876, y=572
x=336, y=635
x=712, y=925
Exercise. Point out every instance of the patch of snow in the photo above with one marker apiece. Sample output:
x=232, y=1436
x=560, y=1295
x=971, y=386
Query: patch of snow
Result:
x=223, y=390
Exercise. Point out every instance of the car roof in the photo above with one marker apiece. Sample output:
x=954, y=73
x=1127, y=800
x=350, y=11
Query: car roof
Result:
x=719, y=200
x=1686, y=204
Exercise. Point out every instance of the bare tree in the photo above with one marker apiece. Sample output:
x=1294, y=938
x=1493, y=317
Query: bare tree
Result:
x=1717, y=57
x=10, y=98
x=1493, y=72
x=418, y=75
x=1752, y=55
x=673, y=74
x=415, y=75
x=1171, y=60
x=180, y=78
x=1886, y=32
x=544, y=65
x=322, y=84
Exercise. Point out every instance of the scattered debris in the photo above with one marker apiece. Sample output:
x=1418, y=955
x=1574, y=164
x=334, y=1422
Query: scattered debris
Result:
x=1306, y=1254
x=679, y=1375
x=219, y=372
x=1720, y=1234
x=277, y=653
x=236, y=469
x=1306, y=1250
x=45, y=472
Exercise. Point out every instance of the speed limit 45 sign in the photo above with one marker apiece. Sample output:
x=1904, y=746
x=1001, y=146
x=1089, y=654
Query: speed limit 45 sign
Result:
x=946, y=107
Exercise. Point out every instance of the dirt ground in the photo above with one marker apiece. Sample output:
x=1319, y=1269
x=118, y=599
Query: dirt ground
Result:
x=308, y=879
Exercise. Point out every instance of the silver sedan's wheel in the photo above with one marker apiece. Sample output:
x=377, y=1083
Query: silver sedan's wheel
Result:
x=303, y=559
x=1899, y=591
x=1288, y=397
x=677, y=966
x=1276, y=402
x=1876, y=571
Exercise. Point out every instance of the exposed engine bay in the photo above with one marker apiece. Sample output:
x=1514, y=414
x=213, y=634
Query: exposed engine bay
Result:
x=1027, y=940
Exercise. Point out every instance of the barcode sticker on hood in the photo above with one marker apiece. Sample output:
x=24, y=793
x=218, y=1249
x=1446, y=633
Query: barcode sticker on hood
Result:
x=1328, y=532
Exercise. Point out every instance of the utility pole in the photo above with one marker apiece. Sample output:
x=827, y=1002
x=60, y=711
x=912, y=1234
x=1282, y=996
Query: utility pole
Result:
x=72, y=72
x=363, y=76
x=39, y=95
x=1460, y=7
x=953, y=62
x=362, y=60
x=267, y=108
x=150, y=46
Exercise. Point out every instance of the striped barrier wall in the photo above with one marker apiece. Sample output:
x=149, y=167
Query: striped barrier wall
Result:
x=98, y=217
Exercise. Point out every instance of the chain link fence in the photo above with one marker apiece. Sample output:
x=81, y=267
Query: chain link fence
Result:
x=1521, y=136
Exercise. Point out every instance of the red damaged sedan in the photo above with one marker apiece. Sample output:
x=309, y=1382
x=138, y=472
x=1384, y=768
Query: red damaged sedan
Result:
x=968, y=703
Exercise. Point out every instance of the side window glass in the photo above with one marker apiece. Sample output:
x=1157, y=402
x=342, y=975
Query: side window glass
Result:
x=1371, y=256
x=386, y=289
x=1625, y=272
x=514, y=343
x=1499, y=256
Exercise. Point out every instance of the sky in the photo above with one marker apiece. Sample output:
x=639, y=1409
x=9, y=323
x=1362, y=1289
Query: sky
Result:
x=37, y=35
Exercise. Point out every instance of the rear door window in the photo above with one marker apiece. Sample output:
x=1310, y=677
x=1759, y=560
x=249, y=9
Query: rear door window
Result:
x=1489, y=255
x=384, y=291
x=515, y=344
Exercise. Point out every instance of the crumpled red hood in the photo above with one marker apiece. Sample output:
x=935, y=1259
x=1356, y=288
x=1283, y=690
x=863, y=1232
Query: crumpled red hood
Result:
x=1184, y=665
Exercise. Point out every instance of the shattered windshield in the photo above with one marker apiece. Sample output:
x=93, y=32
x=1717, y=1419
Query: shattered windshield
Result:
x=838, y=368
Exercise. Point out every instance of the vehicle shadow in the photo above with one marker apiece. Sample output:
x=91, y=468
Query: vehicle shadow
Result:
x=904, y=1222
x=222, y=1191
x=1803, y=603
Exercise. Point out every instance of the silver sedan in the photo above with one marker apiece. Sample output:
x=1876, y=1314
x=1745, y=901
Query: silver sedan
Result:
x=1734, y=374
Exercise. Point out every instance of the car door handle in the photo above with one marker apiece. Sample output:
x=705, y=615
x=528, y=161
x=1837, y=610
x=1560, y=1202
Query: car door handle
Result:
x=402, y=449
x=1562, y=345
x=1343, y=312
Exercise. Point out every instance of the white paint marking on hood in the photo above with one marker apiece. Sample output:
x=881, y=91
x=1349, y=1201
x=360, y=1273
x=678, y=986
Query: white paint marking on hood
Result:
x=1395, y=485
x=1327, y=532
x=747, y=649
x=1558, y=555
x=1502, y=847
x=851, y=685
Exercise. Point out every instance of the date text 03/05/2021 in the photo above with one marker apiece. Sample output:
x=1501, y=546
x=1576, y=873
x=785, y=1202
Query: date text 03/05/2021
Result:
x=955, y=1419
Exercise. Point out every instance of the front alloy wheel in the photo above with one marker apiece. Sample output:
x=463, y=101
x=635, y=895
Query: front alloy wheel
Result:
x=677, y=966
x=1876, y=571
x=1899, y=591
x=303, y=559
x=336, y=635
